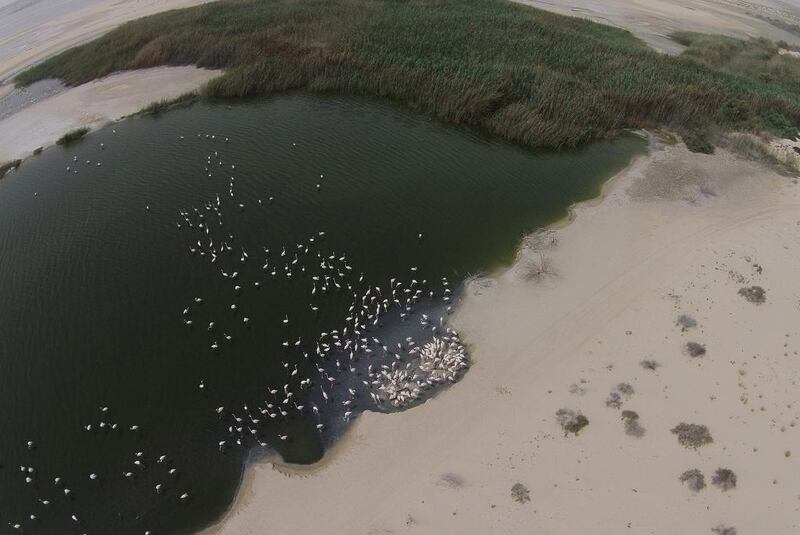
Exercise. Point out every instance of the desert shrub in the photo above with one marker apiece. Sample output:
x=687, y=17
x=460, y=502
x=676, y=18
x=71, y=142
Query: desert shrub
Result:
x=632, y=426
x=535, y=267
x=625, y=389
x=452, y=480
x=693, y=349
x=614, y=400
x=649, y=364
x=686, y=322
x=724, y=478
x=722, y=529
x=72, y=136
x=754, y=294
x=571, y=421
x=692, y=435
x=694, y=479
x=520, y=493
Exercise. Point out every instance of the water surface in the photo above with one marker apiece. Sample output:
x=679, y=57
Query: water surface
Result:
x=95, y=274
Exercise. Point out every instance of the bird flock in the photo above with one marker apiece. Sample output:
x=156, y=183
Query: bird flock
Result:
x=336, y=372
x=358, y=345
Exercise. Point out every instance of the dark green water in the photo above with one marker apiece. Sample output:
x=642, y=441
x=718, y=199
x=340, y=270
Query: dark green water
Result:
x=93, y=285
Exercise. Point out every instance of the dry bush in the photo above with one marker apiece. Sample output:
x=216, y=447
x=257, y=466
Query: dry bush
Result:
x=625, y=389
x=754, y=294
x=724, y=478
x=649, y=364
x=632, y=426
x=614, y=400
x=722, y=529
x=535, y=267
x=686, y=322
x=693, y=349
x=520, y=493
x=452, y=480
x=571, y=421
x=692, y=435
x=694, y=479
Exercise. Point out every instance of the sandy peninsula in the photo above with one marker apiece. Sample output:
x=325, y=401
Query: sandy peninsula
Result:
x=31, y=31
x=93, y=105
x=676, y=234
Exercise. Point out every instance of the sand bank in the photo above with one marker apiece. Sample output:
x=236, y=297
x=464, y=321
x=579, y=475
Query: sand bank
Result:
x=653, y=20
x=677, y=233
x=93, y=105
x=33, y=30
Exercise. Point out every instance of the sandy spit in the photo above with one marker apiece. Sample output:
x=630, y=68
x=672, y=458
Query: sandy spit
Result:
x=677, y=233
x=93, y=105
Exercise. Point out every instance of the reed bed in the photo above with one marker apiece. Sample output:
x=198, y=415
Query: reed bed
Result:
x=523, y=74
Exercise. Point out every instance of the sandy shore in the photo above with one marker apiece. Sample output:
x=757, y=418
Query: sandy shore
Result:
x=33, y=30
x=93, y=105
x=677, y=233
x=653, y=20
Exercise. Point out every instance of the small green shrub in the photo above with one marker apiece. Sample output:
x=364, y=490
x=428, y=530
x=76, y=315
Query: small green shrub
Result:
x=699, y=141
x=72, y=136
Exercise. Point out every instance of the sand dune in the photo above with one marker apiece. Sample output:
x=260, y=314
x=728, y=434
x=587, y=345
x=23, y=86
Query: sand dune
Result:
x=677, y=233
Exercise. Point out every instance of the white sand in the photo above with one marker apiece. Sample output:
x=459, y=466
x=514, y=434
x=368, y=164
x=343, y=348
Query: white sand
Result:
x=33, y=30
x=93, y=105
x=653, y=20
x=677, y=233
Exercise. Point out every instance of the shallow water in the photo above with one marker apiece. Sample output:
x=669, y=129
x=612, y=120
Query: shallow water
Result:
x=94, y=283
